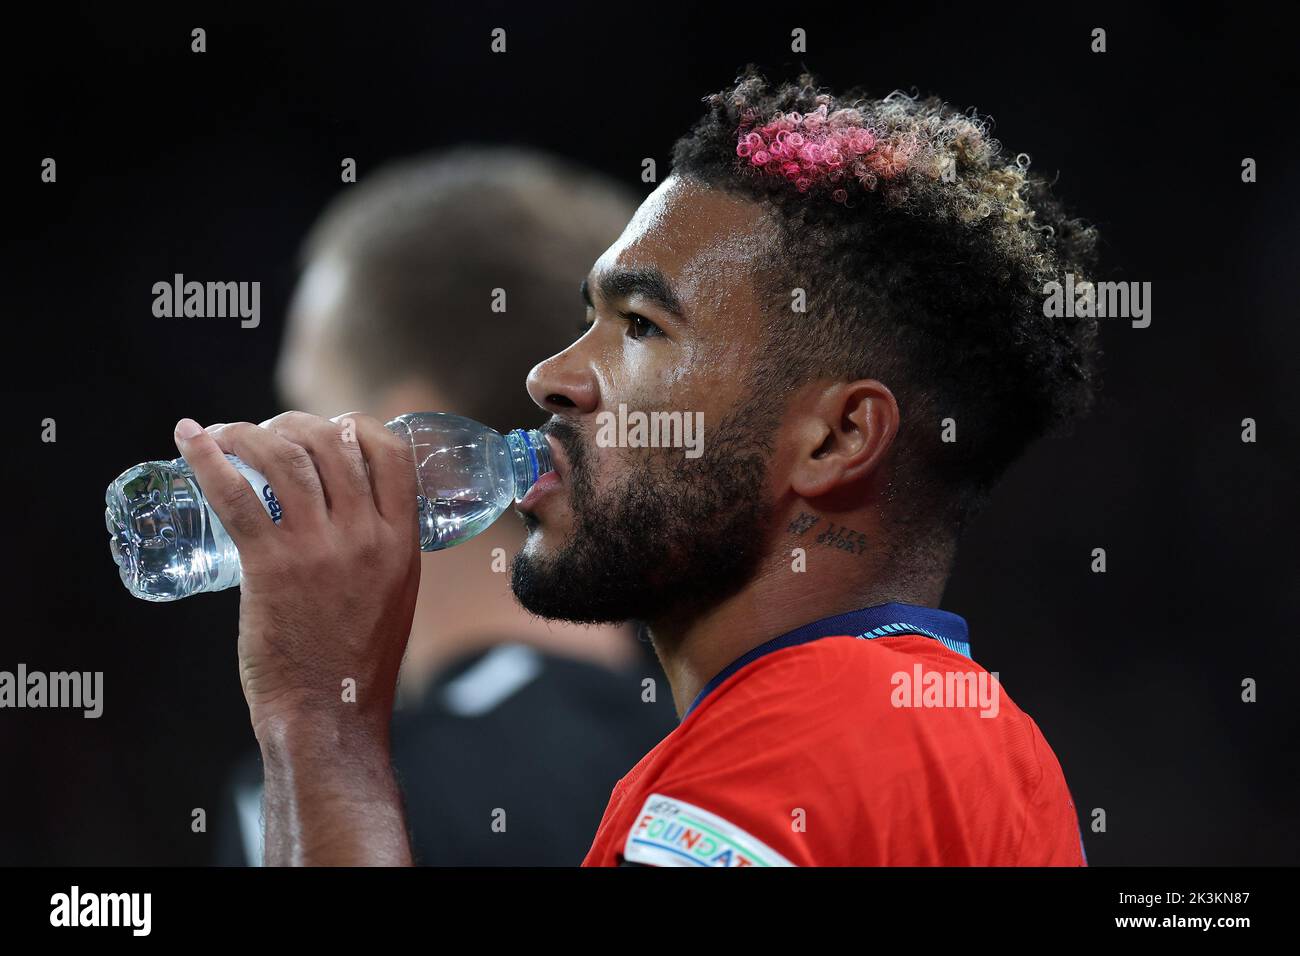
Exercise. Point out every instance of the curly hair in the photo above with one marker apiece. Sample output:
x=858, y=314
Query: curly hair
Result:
x=923, y=250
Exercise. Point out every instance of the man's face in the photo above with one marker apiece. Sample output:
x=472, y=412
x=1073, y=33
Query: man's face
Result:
x=673, y=326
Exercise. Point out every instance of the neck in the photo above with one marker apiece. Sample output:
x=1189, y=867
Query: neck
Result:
x=465, y=605
x=694, y=648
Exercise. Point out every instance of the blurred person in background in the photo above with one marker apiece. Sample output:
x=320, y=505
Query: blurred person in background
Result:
x=510, y=730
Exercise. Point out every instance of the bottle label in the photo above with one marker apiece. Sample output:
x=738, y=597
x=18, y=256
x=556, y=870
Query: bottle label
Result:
x=263, y=488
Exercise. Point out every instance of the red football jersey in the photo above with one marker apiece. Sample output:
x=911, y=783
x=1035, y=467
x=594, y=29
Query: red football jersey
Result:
x=839, y=751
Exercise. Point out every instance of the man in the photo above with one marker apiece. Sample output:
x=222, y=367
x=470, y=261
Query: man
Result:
x=510, y=730
x=850, y=291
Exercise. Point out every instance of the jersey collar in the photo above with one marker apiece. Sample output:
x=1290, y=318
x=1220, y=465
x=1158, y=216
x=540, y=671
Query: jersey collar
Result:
x=879, y=620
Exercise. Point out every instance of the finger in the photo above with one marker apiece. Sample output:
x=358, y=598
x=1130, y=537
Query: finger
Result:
x=338, y=458
x=224, y=488
x=287, y=467
x=391, y=461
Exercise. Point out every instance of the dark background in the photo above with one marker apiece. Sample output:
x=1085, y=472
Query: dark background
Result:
x=214, y=165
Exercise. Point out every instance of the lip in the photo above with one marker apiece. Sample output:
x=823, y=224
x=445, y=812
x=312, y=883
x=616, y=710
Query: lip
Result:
x=543, y=486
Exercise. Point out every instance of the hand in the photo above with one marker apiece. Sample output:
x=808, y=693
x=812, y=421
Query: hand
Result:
x=327, y=594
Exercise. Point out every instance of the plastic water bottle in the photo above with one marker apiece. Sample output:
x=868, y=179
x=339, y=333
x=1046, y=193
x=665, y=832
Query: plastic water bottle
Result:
x=168, y=544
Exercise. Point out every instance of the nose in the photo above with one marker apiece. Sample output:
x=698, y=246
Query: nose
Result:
x=564, y=385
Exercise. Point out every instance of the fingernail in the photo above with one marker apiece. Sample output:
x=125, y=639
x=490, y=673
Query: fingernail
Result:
x=187, y=428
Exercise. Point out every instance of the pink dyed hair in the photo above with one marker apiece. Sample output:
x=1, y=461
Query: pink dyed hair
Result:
x=819, y=150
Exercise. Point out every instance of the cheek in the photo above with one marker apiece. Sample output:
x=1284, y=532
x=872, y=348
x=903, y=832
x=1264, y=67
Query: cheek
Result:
x=610, y=464
x=649, y=376
x=706, y=378
x=645, y=372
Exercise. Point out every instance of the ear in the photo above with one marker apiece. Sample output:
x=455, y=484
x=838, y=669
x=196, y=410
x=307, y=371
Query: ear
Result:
x=845, y=437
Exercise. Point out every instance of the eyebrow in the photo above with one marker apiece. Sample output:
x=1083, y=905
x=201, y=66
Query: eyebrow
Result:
x=647, y=282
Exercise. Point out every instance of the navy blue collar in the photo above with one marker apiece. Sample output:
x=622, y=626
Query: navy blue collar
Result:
x=880, y=620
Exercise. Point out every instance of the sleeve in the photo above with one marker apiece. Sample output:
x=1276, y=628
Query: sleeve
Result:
x=746, y=786
x=1053, y=834
x=672, y=832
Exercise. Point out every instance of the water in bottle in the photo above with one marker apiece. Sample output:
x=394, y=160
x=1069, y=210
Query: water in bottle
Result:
x=168, y=544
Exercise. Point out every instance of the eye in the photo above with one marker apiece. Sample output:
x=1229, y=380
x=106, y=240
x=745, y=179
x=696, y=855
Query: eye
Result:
x=639, y=327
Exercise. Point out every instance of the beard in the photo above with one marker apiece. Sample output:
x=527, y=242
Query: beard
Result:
x=672, y=536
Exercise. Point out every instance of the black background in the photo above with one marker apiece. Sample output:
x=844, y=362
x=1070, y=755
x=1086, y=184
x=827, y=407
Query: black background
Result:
x=214, y=165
